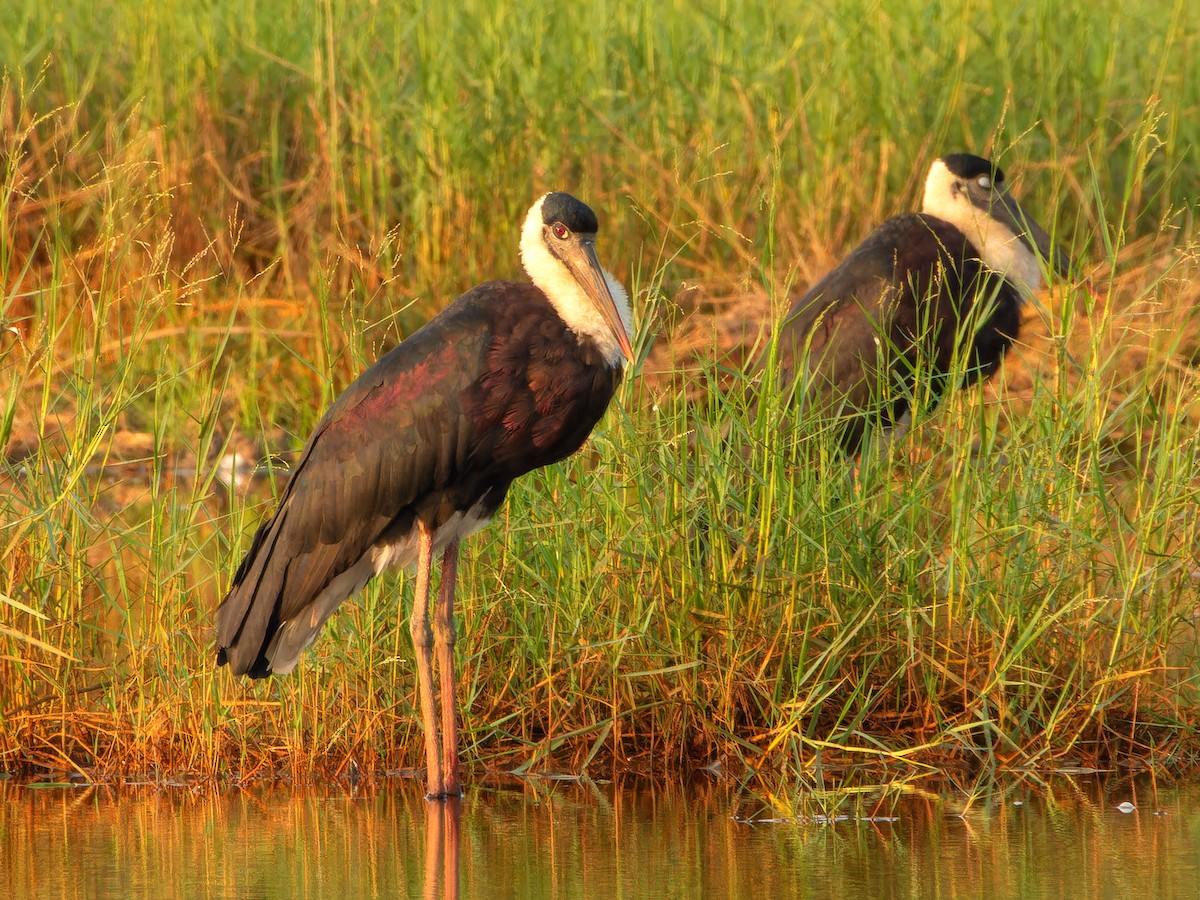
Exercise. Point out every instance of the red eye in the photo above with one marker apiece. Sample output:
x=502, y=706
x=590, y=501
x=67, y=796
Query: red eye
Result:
x=560, y=230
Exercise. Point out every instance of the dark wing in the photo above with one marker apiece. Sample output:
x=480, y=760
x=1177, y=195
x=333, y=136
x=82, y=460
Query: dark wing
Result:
x=853, y=337
x=859, y=279
x=398, y=432
x=543, y=392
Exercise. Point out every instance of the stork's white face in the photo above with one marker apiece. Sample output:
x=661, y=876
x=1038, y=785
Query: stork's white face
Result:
x=562, y=262
x=1008, y=241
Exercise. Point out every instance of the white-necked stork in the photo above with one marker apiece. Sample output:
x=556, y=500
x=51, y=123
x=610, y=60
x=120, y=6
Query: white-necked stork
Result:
x=920, y=287
x=419, y=451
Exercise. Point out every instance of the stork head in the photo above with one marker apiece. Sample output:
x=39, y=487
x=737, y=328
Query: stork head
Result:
x=558, y=249
x=969, y=192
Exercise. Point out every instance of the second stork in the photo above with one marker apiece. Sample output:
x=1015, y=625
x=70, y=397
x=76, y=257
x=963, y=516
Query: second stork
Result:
x=885, y=325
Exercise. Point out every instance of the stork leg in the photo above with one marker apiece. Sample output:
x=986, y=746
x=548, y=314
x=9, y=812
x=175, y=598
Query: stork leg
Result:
x=444, y=637
x=422, y=638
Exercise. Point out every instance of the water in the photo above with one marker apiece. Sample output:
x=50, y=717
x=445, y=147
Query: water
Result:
x=552, y=839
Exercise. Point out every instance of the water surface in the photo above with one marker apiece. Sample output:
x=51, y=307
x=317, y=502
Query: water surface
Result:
x=557, y=839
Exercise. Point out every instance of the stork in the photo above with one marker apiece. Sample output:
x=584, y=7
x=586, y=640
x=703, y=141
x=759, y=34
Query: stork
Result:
x=919, y=289
x=419, y=452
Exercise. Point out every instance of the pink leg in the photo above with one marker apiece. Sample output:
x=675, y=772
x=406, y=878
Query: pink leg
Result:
x=444, y=637
x=422, y=639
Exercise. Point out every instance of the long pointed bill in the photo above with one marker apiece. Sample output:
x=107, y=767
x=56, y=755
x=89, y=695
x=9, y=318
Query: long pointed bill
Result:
x=1032, y=234
x=585, y=266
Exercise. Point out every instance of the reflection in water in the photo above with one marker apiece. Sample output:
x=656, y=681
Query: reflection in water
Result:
x=547, y=839
x=442, y=823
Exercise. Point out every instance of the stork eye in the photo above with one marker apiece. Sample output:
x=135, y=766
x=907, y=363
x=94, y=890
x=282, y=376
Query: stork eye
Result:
x=560, y=231
x=983, y=181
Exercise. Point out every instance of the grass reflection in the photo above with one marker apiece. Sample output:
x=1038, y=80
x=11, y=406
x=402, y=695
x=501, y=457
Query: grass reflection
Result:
x=531, y=839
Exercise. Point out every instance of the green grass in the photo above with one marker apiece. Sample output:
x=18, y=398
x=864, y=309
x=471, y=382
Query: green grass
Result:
x=212, y=216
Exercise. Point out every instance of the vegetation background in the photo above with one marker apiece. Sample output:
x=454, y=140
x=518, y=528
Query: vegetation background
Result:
x=213, y=215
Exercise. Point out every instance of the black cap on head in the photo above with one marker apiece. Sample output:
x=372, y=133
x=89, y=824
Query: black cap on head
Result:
x=966, y=165
x=576, y=215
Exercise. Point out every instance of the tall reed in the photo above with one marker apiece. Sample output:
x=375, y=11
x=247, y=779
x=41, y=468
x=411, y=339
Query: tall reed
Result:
x=212, y=217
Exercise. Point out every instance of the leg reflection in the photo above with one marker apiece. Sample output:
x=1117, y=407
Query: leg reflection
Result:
x=442, y=820
x=433, y=849
x=451, y=813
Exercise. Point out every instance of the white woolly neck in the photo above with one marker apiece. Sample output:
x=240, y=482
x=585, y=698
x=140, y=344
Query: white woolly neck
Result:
x=1000, y=249
x=564, y=292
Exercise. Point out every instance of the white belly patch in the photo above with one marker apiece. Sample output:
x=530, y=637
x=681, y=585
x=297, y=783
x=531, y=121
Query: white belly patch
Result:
x=403, y=552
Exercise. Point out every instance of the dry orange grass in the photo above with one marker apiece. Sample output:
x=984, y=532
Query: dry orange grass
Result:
x=176, y=291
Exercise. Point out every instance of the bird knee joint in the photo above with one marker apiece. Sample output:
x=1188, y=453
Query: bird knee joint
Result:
x=446, y=632
x=422, y=636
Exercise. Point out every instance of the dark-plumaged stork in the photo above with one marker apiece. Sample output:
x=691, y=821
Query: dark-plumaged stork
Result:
x=419, y=451
x=921, y=287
